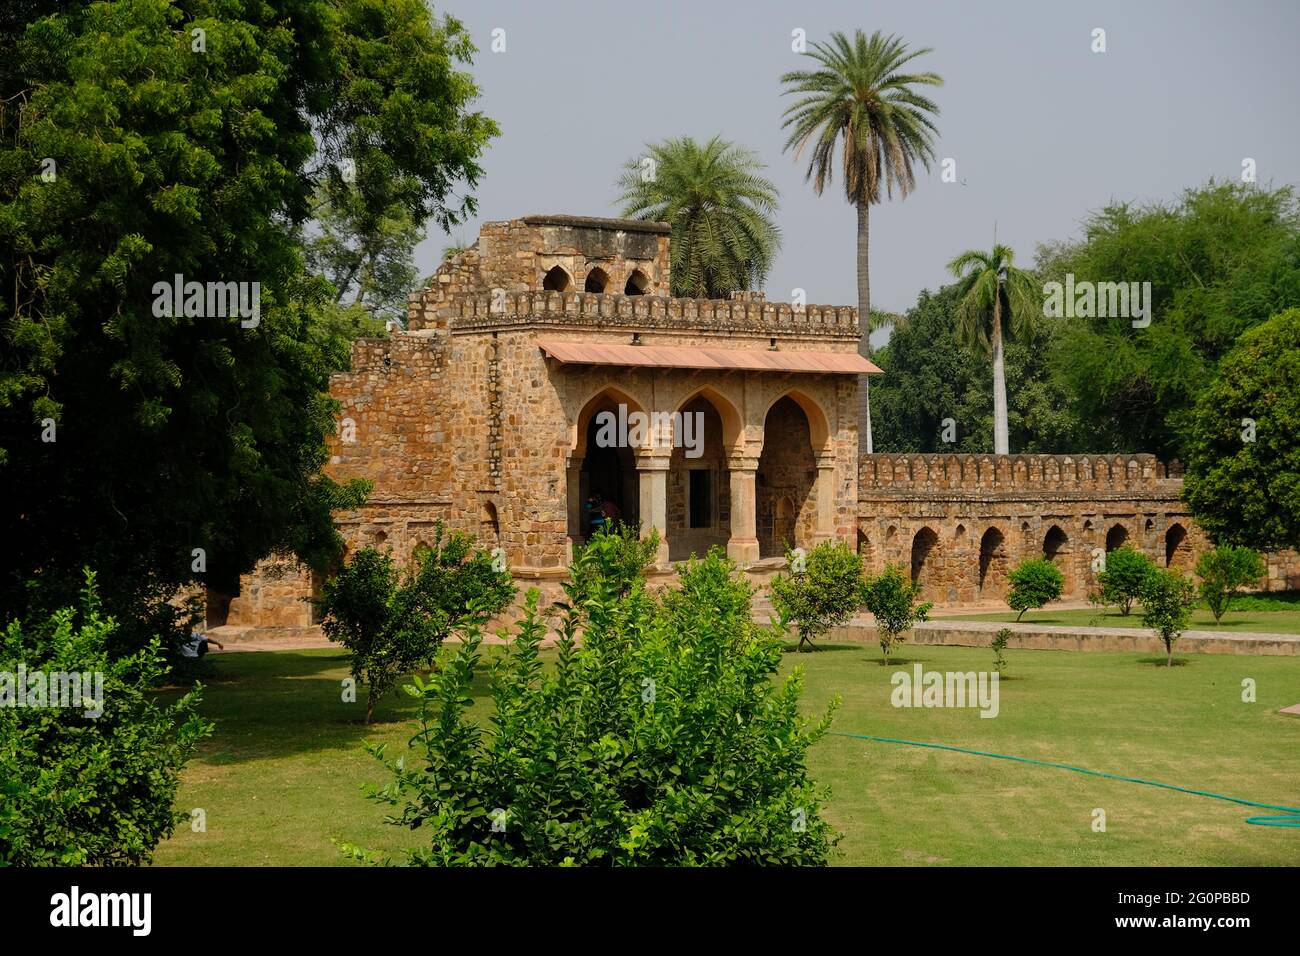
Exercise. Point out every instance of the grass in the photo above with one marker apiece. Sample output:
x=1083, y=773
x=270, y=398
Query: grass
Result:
x=1243, y=621
x=283, y=774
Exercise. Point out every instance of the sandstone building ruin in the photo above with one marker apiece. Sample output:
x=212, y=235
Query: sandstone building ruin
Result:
x=485, y=414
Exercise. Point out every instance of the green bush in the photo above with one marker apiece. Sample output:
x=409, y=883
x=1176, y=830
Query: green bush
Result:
x=662, y=740
x=1167, y=603
x=1125, y=577
x=999, y=645
x=1034, y=582
x=1223, y=572
x=891, y=598
x=393, y=623
x=79, y=789
x=823, y=592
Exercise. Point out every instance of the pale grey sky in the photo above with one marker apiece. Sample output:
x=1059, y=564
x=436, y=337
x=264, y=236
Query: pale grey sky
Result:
x=1042, y=129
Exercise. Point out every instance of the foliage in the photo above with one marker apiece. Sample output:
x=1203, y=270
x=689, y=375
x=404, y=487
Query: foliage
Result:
x=1223, y=572
x=377, y=267
x=721, y=209
x=1034, y=582
x=932, y=376
x=859, y=105
x=82, y=790
x=1221, y=259
x=172, y=160
x=1243, y=468
x=999, y=644
x=1125, y=577
x=1167, y=601
x=825, y=592
x=619, y=555
x=892, y=599
x=393, y=623
x=661, y=740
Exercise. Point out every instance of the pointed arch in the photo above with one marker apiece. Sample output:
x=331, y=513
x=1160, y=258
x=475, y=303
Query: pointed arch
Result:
x=557, y=279
x=597, y=280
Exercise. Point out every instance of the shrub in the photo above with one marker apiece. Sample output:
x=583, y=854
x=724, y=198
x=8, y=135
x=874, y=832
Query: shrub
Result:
x=662, y=740
x=1125, y=577
x=394, y=623
x=1167, y=604
x=1034, y=582
x=624, y=555
x=78, y=789
x=1223, y=571
x=824, y=593
x=891, y=598
x=999, y=645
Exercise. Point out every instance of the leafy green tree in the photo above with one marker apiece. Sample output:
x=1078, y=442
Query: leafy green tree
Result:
x=1243, y=466
x=663, y=739
x=181, y=448
x=931, y=376
x=1125, y=577
x=1167, y=601
x=721, y=209
x=892, y=599
x=824, y=591
x=1223, y=572
x=859, y=104
x=1221, y=259
x=999, y=645
x=393, y=623
x=92, y=784
x=375, y=270
x=1034, y=583
x=993, y=291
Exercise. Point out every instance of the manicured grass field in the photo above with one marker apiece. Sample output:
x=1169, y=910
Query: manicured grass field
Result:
x=283, y=774
x=1267, y=622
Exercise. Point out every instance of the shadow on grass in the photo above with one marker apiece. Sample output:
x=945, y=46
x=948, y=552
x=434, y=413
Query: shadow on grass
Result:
x=1162, y=662
x=273, y=704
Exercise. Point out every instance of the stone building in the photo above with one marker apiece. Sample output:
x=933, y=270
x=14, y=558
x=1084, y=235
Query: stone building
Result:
x=547, y=368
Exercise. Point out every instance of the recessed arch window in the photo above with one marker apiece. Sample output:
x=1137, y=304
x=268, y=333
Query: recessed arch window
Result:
x=557, y=280
x=638, y=283
x=597, y=280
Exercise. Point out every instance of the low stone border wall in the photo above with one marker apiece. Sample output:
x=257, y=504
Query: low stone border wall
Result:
x=1062, y=638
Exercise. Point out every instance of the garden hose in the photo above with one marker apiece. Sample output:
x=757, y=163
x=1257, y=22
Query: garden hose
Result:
x=1291, y=818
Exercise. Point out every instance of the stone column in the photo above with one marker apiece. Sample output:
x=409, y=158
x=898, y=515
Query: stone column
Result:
x=652, y=472
x=825, y=496
x=573, y=480
x=742, y=546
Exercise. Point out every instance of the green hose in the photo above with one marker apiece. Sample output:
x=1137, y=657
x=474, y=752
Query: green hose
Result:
x=1292, y=818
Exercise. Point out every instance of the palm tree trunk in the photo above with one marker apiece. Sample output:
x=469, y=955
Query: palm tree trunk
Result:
x=1000, y=440
x=864, y=326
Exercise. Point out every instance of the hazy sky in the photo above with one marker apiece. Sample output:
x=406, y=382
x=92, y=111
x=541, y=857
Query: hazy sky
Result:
x=1042, y=129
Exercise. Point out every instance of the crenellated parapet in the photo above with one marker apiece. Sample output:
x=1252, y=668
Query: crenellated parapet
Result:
x=910, y=474
x=498, y=308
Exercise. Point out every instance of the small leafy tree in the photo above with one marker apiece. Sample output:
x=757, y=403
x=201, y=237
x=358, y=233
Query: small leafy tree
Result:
x=1223, y=572
x=1167, y=603
x=892, y=598
x=823, y=593
x=1125, y=578
x=92, y=784
x=664, y=739
x=999, y=645
x=1034, y=582
x=393, y=623
x=624, y=556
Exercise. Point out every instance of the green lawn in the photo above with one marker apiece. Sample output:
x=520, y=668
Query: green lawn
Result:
x=1268, y=622
x=284, y=771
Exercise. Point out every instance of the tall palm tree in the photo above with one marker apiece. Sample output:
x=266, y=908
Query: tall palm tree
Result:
x=721, y=210
x=860, y=96
x=992, y=291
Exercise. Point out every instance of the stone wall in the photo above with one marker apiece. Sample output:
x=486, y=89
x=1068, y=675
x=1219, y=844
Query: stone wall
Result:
x=958, y=523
